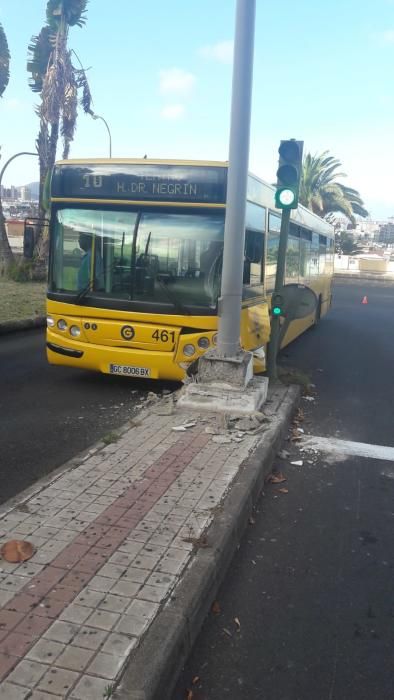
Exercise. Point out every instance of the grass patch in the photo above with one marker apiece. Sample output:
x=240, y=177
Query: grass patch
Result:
x=291, y=375
x=20, y=300
x=110, y=437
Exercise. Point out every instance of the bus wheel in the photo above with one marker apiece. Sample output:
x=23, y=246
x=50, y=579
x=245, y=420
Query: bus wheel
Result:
x=318, y=311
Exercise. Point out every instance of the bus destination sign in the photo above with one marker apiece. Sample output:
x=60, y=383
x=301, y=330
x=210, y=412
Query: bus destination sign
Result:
x=139, y=182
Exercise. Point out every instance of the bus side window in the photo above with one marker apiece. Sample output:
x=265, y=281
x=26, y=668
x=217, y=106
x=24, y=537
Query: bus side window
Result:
x=253, y=258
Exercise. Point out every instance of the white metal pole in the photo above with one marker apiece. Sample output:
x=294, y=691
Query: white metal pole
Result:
x=234, y=231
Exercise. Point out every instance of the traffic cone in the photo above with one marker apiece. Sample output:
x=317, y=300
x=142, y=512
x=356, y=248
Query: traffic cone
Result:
x=365, y=300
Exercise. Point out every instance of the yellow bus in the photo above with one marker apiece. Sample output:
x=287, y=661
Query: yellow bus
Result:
x=135, y=265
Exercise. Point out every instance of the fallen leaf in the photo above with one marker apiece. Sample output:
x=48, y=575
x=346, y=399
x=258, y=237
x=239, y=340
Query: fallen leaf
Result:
x=197, y=542
x=275, y=478
x=16, y=551
x=237, y=622
x=195, y=680
x=283, y=490
x=227, y=632
x=215, y=608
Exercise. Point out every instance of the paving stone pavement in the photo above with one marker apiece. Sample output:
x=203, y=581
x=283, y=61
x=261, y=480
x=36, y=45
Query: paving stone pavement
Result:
x=113, y=537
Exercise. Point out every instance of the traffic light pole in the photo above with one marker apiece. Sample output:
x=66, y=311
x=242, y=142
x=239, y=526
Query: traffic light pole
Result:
x=273, y=346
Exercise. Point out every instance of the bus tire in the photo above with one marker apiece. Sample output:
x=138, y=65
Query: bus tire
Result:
x=318, y=311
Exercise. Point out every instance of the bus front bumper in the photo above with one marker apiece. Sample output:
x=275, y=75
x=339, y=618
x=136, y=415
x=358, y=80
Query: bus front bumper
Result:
x=129, y=362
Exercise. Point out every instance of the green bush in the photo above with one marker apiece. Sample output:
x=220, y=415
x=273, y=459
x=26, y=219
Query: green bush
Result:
x=20, y=271
x=27, y=271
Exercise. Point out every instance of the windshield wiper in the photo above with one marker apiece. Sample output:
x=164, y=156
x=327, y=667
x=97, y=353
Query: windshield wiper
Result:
x=82, y=293
x=172, y=297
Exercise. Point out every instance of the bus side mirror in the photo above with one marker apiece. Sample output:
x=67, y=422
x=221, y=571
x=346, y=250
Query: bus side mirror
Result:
x=28, y=242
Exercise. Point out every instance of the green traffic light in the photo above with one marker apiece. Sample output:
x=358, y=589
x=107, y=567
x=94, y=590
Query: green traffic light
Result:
x=276, y=311
x=285, y=198
x=288, y=174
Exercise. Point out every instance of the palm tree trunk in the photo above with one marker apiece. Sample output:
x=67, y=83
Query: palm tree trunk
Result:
x=6, y=254
x=47, y=161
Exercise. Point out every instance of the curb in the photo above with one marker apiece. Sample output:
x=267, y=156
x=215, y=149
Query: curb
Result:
x=152, y=672
x=22, y=325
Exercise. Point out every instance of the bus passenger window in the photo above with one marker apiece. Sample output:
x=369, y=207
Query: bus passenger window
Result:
x=253, y=273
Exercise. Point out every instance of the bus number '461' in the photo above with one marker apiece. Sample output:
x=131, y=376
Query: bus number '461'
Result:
x=164, y=336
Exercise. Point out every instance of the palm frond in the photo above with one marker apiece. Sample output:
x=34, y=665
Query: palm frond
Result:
x=82, y=83
x=73, y=12
x=69, y=107
x=39, y=55
x=359, y=210
x=4, y=61
x=321, y=192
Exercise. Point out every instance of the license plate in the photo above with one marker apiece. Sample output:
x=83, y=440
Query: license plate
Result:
x=129, y=370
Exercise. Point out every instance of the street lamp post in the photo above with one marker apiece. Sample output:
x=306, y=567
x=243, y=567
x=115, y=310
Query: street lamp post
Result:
x=6, y=255
x=6, y=164
x=97, y=116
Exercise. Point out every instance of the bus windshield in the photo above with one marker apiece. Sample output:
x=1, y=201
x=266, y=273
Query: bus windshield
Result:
x=137, y=256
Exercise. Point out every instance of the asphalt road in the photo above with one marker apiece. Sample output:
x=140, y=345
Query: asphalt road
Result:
x=306, y=611
x=49, y=414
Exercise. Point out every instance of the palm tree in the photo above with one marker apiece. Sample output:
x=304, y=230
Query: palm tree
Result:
x=57, y=80
x=4, y=61
x=6, y=255
x=321, y=192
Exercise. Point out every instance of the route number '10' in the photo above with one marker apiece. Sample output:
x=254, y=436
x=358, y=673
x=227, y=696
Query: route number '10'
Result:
x=93, y=180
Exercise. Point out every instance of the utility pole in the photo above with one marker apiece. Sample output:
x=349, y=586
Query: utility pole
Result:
x=225, y=381
x=234, y=231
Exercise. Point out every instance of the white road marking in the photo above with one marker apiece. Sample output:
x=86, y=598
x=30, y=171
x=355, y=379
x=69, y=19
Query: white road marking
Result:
x=348, y=448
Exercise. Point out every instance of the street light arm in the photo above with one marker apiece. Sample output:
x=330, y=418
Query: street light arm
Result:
x=6, y=164
x=97, y=116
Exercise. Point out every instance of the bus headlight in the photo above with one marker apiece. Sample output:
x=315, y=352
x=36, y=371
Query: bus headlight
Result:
x=215, y=339
x=189, y=350
x=50, y=322
x=75, y=331
x=203, y=343
x=62, y=325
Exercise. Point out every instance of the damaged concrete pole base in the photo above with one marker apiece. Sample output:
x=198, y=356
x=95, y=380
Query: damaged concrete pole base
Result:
x=225, y=385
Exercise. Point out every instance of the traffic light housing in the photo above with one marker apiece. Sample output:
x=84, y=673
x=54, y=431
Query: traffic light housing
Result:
x=277, y=305
x=289, y=174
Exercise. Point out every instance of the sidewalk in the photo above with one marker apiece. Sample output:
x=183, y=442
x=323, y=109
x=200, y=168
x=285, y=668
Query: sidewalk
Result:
x=131, y=546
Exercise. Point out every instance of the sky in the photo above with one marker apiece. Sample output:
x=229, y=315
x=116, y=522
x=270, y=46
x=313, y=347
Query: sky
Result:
x=160, y=74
